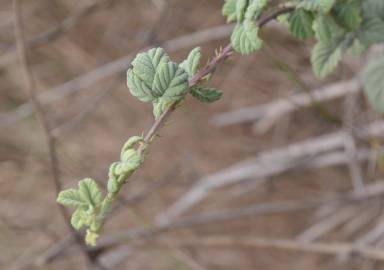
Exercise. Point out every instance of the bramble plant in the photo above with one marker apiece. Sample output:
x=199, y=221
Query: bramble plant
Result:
x=339, y=27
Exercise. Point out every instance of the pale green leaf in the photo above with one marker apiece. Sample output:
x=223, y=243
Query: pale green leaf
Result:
x=112, y=185
x=325, y=58
x=301, y=24
x=241, y=6
x=371, y=31
x=206, y=94
x=79, y=218
x=326, y=29
x=90, y=191
x=373, y=79
x=170, y=80
x=72, y=198
x=255, y=8
x=229, y=10
x=140, y=78
x=317, y=5
x=245, y=38
x=191, y=64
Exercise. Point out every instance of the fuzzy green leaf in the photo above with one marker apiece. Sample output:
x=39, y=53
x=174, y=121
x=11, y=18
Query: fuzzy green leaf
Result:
x=72, y=198
x=301, y=24
x=326, y=29
x=170, y=80
x=245, y=38
x=191, y=64
x=317, y=5
x=348, y=14
x=373, y=79
x=371, y=31
x=79, y=218
x=140, y=78
x=206, y=94
x=90, y=192
x=255, y=8
x=241, y=6
x=325, y=58
x=229, y=10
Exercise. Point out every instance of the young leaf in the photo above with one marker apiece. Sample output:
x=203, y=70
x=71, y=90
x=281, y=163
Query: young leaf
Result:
x=301, y=24
x=72, y=198
x=348, y=14
x=229, y=10
x=140, y=78
x=241, y=6
x=145, y=64
x=191, y=64
x=317, y=5
x=171, y=81
x=206, y=94
x=373, y=79
x=78, y=219
x=245, y=38
x=371, y=31
x=254, y=9
x=326, y=29
x=325, y=58
x=90, y=191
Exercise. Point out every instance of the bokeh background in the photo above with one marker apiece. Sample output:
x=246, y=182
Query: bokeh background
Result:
x=79, y=52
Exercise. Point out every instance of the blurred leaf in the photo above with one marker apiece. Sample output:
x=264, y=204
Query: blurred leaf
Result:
x=206, y=94
x=373, y=79
x=301, y=24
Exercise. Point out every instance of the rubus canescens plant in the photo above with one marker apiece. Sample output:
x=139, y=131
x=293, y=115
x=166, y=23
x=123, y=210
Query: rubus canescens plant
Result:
x=339, y=26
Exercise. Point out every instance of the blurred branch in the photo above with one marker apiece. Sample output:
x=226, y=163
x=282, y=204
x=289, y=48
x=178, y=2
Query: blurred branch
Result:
x=269, y=163
x=334, y=249
x=43, y=121
x=267, y=114
x=55, y=32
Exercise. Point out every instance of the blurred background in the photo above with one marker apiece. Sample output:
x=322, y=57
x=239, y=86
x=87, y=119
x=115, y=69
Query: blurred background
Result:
x=284, y=172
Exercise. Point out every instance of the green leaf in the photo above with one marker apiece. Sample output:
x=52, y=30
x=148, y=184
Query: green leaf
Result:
x=72, y=198
x=140, y=78
x=325, y=58
x=348, y=14
x=79, y=218
x=255, y=8
x=317, y=5
x=245, y=38
x=171, y=81
x=139, y=88
x=91, y=238
x=301, y=24
x=191, y=64
x=373, y=9
x=241, y=6
x=229, y=10
x=371, y=31
x=90, y=191
x=326, y=29
x=160, y=106
x=145, y=64
x=206, y=94
x=113, y=185
x=373, y=79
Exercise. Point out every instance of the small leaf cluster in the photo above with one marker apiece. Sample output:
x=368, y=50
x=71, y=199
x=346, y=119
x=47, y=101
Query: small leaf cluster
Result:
x=91, y=208
x=155, y=78
x=245, y=39
x=339, y=26
x=87, y=201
